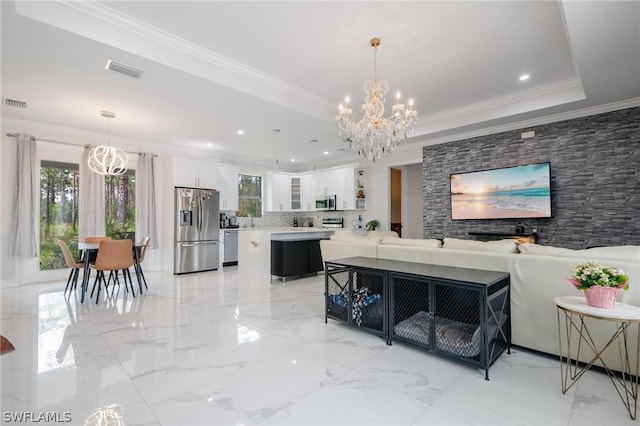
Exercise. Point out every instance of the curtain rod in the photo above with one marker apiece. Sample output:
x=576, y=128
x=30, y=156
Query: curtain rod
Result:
x=66, y=143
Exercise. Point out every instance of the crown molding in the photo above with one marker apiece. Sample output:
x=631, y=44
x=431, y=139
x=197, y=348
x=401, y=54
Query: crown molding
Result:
x=79, y=137
x=76, y=136
x=549, y=95
x=524, y=124
x=99, y=22
x=569, y=84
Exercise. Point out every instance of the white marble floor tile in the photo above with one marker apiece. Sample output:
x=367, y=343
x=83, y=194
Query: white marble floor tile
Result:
x=209, y=349
x=520, y=385
x=422, y=375
x=351, y=399
x=253, y=394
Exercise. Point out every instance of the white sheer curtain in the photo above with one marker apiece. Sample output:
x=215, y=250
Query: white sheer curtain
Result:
x=146, y=225
x=23, y=226
x=91, y=206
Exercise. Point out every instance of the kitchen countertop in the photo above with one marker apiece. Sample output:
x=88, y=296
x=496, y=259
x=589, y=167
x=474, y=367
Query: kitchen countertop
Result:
x=288, y=229
x=289, y=232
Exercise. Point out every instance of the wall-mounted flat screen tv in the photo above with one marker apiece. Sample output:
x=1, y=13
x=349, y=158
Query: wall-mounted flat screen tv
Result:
x=507, y=193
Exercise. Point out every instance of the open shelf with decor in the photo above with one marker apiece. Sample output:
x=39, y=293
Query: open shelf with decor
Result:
x=361, y=190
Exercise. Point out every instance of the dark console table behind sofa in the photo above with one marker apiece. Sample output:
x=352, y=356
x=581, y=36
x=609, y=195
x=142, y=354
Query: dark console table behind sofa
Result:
x=454, y=312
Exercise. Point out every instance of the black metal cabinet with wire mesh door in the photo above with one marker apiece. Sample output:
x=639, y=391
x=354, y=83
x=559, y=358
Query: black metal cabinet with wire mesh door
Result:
x=358, y=297
x=458, y=313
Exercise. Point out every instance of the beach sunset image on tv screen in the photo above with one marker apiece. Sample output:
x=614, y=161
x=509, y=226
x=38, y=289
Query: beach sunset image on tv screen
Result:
x=506, y=193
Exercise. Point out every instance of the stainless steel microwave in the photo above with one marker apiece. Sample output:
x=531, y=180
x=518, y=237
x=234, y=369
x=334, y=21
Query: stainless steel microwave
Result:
x=326, y=202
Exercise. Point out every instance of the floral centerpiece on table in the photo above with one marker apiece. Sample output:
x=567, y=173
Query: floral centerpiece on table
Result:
x=601, y=284
x=587, y=275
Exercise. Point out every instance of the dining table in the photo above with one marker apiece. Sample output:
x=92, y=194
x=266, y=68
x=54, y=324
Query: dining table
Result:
x=88, y=248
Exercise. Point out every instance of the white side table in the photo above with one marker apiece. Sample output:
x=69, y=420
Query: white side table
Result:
x=575, y=310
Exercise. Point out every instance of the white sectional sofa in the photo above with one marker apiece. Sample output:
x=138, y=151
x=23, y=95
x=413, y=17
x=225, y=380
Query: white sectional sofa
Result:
x=538, y=275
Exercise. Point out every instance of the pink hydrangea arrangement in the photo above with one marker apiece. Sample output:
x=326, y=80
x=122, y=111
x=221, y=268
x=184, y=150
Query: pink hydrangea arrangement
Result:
x=586, y=275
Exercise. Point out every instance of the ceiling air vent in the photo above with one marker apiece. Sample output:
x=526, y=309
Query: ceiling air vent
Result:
x=14, y=103
x=123, y=69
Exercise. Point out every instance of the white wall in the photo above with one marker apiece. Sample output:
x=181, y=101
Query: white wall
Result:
x=412, y=197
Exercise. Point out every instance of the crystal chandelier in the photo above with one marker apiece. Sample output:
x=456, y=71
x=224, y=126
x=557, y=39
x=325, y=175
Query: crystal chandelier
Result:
x=107, y=160
x=374, y=134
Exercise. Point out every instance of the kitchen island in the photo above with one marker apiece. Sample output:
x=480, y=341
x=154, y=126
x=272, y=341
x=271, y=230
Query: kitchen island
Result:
x=254, y=249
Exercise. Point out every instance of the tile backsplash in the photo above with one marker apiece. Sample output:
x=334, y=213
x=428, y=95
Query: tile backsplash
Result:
x=278, y=219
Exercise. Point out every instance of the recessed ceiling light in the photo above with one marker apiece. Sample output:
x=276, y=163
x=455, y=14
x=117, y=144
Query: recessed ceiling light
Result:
x=293, y=160
x=326, y=153
x=240, y=132
x=209, y=144
x=524, y=77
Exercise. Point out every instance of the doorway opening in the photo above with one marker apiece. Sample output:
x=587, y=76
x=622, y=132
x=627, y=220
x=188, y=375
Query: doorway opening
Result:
x=396, y=200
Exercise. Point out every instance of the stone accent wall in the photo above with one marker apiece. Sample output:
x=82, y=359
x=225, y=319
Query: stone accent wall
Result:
x=595, y=180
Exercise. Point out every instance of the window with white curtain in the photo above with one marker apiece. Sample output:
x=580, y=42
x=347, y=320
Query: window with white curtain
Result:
x=58, y=211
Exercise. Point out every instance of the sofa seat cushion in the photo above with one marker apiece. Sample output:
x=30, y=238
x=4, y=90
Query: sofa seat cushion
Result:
x=433, y=243
x=624, y=253
x=500, y=246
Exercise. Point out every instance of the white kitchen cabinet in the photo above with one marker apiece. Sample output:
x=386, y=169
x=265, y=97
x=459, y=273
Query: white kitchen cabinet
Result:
x=228, y=186
x=308, y=193
x=345, y=197
x=278, y=192
x=195, y=172
x=338, y=182
x=324, y=183
x=296, y=193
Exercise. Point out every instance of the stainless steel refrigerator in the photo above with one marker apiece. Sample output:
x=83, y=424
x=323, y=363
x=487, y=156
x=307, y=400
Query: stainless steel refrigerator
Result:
x=197, y=230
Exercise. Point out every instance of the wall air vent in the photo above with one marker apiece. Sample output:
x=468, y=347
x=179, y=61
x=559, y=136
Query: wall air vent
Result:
x=123, y=69
x=14, y=103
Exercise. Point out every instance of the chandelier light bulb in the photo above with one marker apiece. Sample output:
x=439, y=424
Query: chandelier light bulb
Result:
x=374, y=135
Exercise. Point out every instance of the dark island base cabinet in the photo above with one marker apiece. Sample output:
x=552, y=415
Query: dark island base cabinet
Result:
x=295, y=258
x=451, y=315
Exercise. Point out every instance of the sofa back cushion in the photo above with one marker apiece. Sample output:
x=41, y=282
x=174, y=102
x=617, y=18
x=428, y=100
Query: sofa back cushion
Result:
x=433, y=243
x=336, y=249
x=500, y=246
x=626, y=253
x=375, y=236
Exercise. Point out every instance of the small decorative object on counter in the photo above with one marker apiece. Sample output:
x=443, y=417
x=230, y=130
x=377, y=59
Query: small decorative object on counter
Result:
x=373, y=225
x=295, y=222
x=601, y=284
x=359, y=221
